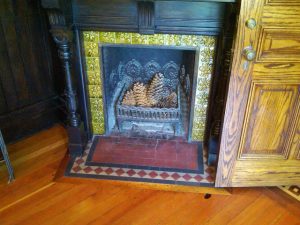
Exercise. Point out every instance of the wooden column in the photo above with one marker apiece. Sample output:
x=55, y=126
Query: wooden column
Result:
x=63, y=39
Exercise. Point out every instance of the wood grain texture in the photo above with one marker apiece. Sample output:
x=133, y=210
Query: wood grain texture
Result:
x=285, y=72
x=283, y=16
x=282, y=2
x=239, y=87
x=269, y=172
x=269, y=137
x=40, y=200
x=277, y=45
x=27, y=77
x=295, y=144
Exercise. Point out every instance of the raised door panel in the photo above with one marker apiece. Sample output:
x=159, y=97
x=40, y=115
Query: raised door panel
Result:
x=281, y=15
x=279, y=45
x=282, y=2
x=269, y=117
x=295, y=145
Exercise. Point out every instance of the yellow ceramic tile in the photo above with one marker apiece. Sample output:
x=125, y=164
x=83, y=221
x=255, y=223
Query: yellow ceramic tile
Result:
x=107, y=37
x=90, y=36
x=94, y=77
x=91, y=49
x=95, y=91
x=97, y=116
x=173, y=40
x=139, y=39
x=92, y=63
x=98, y=128
x=123, y=38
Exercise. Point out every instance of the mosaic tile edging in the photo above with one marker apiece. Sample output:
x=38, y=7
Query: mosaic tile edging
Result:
x=77, y=168
x=204, y=44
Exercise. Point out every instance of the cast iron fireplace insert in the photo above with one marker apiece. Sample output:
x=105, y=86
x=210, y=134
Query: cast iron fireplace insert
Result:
x=125, y=65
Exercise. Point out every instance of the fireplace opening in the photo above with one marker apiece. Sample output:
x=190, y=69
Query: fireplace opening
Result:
x=148, y=90
x=150, y=98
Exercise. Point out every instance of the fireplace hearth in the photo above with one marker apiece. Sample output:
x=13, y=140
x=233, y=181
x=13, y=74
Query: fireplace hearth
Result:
x=151, y=71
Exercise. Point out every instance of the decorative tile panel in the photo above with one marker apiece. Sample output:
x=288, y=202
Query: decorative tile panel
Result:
x=205, y=45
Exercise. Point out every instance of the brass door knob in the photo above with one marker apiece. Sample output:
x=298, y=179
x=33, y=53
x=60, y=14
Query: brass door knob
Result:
x=249, y=54
x=251, y=23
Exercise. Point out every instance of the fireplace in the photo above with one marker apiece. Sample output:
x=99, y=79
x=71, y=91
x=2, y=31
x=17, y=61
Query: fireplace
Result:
x=152, y=80
x=116, y=61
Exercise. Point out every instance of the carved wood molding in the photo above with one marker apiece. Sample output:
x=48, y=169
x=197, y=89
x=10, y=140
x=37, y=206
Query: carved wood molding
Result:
x=266, y=101
x=146, y=17
x=62, y=36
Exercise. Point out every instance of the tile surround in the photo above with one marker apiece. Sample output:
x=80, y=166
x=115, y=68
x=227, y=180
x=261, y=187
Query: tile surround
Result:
x=205, y=45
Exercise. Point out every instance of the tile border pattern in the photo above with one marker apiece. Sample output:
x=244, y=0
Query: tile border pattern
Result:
x=77, y=167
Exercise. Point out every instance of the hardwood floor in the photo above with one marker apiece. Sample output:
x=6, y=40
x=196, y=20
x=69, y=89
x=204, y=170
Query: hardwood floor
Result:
x=35, y=197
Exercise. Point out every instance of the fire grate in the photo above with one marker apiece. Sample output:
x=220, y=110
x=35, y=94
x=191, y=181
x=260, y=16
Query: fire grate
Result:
x=148, y=114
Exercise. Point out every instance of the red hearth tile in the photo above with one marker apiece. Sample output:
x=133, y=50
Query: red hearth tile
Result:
x=166, y=146
x=192, y=165
x=187, y=177
x=153, y=174
x=131, y=172
x=142, y=173
x=87, y=169
x=79, y=161
x=109, y=171
x=120, y=172
x=76, y=168
x=98, y=170
x=164, y=175
x=198, y=178
x=164, y=154
x=175, y=176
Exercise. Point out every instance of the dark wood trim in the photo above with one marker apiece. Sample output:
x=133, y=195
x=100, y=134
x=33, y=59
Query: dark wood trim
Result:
x=63, y=38
x=40, y=115
x=82, y=84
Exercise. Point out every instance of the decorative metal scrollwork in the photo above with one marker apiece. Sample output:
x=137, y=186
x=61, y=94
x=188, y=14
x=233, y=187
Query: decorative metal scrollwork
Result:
x=151, y=68
x=133, y=68
x=171, y=70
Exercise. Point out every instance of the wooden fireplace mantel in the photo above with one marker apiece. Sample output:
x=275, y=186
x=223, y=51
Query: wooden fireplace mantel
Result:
x=143, y=16
x=68, y=18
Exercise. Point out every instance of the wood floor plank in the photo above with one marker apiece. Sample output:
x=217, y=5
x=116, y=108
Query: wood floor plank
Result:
x=288, y=218
x=262, y=210
x=241, y=200
x=36, y=198
x=90, y=208
x=151, y=211
x=59, y=203
x=196, y=210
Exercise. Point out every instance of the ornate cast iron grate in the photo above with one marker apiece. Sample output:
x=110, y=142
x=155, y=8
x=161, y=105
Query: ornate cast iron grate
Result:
x=132, y=72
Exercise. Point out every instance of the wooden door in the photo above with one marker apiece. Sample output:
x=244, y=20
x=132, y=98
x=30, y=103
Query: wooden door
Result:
x=260, y=143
